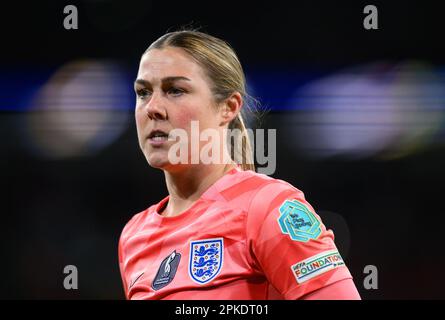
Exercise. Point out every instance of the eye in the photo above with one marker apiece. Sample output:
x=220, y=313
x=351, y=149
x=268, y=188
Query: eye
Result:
x=175, y=91
x=142, y=93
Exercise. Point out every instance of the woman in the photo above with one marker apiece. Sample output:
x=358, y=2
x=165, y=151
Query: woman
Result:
x=223, y=231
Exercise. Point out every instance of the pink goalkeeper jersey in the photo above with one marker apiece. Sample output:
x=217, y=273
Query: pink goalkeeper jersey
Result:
x=249, y=236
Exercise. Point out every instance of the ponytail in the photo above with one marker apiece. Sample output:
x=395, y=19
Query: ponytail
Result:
x=241, y=145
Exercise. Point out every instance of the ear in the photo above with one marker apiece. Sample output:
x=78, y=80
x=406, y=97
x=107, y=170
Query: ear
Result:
x=230, y=108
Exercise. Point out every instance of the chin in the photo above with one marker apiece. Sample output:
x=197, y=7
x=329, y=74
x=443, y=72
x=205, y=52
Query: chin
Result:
x=167, y=166
x=157, y=161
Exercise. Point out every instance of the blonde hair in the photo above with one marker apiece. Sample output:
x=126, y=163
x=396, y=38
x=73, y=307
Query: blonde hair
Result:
x=222, y=66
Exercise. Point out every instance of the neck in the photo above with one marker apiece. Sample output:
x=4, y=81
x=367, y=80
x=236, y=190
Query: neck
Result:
x=186, y=186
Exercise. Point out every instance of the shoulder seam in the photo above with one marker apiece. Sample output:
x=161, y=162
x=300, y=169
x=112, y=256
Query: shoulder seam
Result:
x=247, y=219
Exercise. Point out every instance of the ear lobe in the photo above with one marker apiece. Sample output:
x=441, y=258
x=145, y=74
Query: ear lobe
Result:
x=231, y=107
x=226, y=112
x=225, y=116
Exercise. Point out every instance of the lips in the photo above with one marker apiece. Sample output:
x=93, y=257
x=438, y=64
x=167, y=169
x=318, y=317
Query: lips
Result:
x=157, y=133
x=157, y=138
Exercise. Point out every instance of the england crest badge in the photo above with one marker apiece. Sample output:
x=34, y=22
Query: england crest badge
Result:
x=206, y=259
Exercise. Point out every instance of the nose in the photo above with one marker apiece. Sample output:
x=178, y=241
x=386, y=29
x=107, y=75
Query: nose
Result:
x=155, y=108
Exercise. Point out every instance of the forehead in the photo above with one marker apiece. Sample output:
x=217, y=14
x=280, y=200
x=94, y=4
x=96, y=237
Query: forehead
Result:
x=170, y=61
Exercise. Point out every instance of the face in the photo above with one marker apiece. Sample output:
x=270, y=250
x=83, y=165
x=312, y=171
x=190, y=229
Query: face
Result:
x=171, y=92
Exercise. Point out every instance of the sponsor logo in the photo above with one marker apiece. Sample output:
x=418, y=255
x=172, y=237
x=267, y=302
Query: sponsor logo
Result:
x=134, y=281
x=298, y=221
x=316, y=265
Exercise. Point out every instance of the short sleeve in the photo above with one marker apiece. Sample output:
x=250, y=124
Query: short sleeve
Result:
x=289, y=243
x=121, y=266
x=122, y=248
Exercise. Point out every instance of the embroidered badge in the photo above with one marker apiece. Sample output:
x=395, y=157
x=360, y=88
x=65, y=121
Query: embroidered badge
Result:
x=206, y=259
x=298, y=221
x=166, y=271
x=316, y=265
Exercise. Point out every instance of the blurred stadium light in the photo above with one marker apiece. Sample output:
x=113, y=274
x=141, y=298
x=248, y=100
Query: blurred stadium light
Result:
x=384, y=110
x=80, y=110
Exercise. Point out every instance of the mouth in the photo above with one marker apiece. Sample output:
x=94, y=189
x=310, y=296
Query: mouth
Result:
x=158, y=136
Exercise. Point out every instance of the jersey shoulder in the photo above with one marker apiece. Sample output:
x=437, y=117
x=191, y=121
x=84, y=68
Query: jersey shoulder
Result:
x=267, y=199
x=135, y=222
x=259, y=188
x=260, y=180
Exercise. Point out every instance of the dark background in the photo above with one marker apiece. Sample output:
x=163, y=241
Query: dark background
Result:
x=63, y=207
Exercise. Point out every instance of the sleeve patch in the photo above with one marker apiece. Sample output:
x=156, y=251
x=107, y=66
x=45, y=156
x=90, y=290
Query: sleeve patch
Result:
x=297, y=221
x=316, y=265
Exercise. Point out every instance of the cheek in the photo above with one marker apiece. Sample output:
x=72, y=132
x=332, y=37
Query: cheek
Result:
x=141, y=119
x=195, y=111
x=183, y=118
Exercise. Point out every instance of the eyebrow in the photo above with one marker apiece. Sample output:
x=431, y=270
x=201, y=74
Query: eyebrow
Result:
x=166, y=79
